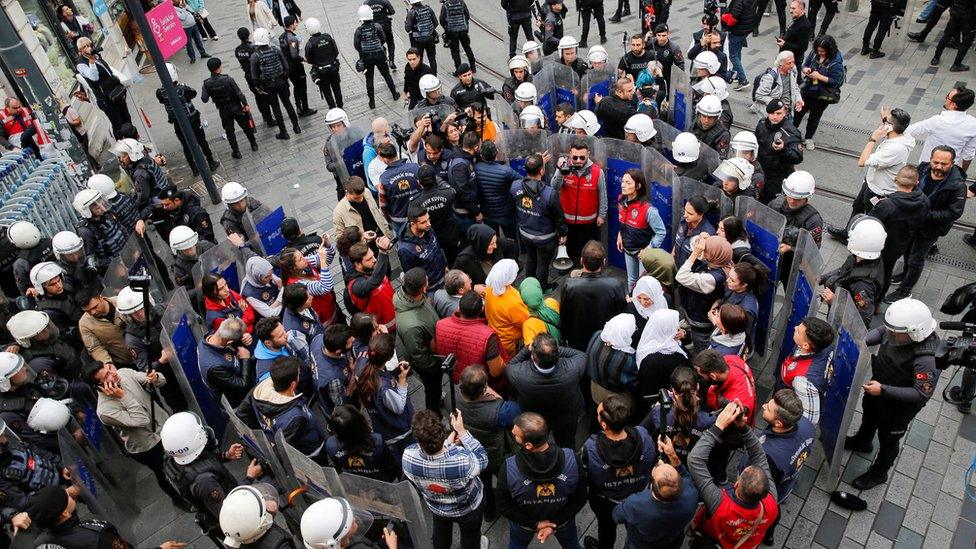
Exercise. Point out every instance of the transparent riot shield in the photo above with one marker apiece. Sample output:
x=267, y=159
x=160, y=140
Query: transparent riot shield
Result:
x=660, y=174
x=621, y=156
x=665, y=137
x=556, y=84
x=594, y=82
x=347, y=150
x=502, y=115
x=803, y=281
x=711, y=159
x=765, y=228
x=679, y=100
x=559, y=148
x=106, y=485
x=847, y=370
x=265, y=226
x=258, y=446
x=514, y=146
x=437, y=114
x=134, y=259
x=719, y=204
x=182, y=331
x=222, y=259
x=305, y=474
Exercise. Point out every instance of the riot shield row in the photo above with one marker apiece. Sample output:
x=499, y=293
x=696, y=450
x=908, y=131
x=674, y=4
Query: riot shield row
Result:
x=765, y=228
x=556, y=83
x=680, y=110
x=136, y=258
x=800, y=290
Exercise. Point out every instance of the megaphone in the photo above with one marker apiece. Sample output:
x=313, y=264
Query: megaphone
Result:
x=562, y=262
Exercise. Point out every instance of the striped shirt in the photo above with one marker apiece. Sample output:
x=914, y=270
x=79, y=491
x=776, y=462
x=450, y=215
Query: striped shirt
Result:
x=448, y=480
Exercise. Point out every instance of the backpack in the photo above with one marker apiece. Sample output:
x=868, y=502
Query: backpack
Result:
x=755, y=82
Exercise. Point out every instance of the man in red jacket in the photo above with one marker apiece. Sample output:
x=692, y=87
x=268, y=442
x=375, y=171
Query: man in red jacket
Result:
x=368, y=288
x=467, y=335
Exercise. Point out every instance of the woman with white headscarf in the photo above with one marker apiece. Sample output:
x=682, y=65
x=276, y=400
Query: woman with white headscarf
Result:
x=504, y=308
x=648, y=296
x=659, y=351
x=611, y=359
x=261, y=288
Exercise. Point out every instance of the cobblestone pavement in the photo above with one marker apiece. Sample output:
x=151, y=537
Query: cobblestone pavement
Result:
x=922, y=505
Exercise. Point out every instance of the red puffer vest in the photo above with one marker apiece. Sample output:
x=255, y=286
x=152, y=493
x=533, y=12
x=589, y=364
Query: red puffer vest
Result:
x=467, y=338
x=580, y=198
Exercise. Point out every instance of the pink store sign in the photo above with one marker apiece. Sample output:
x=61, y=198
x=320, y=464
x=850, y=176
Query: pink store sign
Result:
x=166, y=28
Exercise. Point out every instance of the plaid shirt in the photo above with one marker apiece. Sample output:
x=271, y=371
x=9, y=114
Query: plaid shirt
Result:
x=449, y=480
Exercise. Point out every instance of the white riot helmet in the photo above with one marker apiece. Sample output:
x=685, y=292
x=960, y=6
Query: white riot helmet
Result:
x=129, y=147
x=527, y=92
x=182, y=238
x=129, y=301
x=262, y=36
x=709, y=105
x=584, y=120
x=429, y=83
x=707, y=60
x=713, y=85
x=48, y=415
x=84, y=201
x=685, y=148
x=184, y=438
x=103, y=184
x=529, y=47
x=245, y=515
x=27, y=324
x=739, y=169
x=313, y=26
x=912, y=317
x=365, y=13
x=532, y=117
x=866, y=237
x=745, y=141
x=641, y=126
x=10, y=365
x=66, y=243
x=336, y=115
x=326, y=522
x=174, y=75
x=24, y=234
x=799, y=184
x=519, y=62
x=232, y=193
x=597, y=54
x=568, y=43
x=44, y=272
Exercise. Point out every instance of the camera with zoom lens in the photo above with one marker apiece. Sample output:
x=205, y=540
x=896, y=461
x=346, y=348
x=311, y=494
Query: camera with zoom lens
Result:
x=710, y=8
x=400, y=135
x=140, y=281
x=957, y=350
x=435, y=120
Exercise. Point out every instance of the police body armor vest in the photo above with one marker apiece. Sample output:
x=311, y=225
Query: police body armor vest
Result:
x=456, y=22
x=542, y=500
x=424, y=23
x=159, y=178
x=186, y=476
x=269, y=63
x=895, y=364
x=369, y=41
x=38, y=254
x=187, y=104
x=222, y=93
x=711, y=135
x=27, y=468
x=243, y=54
x=871, y=270
x=317, y=48
x=270, y=540
x=616, y=483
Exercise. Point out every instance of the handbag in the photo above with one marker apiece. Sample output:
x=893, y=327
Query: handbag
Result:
x=830, y=96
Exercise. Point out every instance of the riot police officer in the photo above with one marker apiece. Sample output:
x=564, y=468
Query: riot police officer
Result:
x=707, y=128
x=79, y=270
x=186, y=95
x=568, y=55
x=291, y=46
x=640, y=129
x=794, y=203
x=383, y=14
x=147, y=177
x=421, y=26
x=40, y=344
x=187, y=248
x=104, y=236
x=745, y=145
x=237, y=201
x=121, y=204
x=518, y=13
x=183, y=208
x=322, y=53
x=592, y=9
x=231, y=105
x=21, y=388
x=551, y=28
x=32, y=249
x=368, y=41
x=196, y=468
x=333, y=522
x=454, y=19
x=686, y=151
x=903, y=379
x=26, y=470
x=269, y=68
x=521, y=72
x=243, y=522
x=338, y=122
x=243, y=54
x=862, y=273
x=735, y=177
x=47, y=279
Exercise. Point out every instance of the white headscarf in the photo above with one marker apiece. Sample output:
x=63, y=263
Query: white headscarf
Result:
x=658, y=336
x=649, y=286
x=502, y=275
x=618, y=332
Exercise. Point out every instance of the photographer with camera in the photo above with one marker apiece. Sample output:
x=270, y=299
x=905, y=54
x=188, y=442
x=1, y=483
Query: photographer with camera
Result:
x=903, y=378
x=729, y=379
x=109, y=91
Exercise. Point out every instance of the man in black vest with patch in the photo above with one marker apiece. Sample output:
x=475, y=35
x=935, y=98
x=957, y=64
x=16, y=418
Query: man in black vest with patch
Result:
x=368, y=41
x=382, y=13
x=454, y=19
x=322, y=53
x=421, y=27
x=269, y=68
x=519, y=16
x=903, y=379
x=231, y=105
x=291, y=46
x=794, y=204
x=437, y=197
x=243, y=54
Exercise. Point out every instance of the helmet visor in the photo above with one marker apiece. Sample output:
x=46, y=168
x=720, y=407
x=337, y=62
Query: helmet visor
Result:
x=532, y=121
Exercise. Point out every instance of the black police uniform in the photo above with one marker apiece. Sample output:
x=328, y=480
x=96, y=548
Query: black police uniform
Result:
x=16, y=405
x=232, y=107
x=805, y=217
x=186, y=95
x=368, y=41
x=204, y=483
x=454, y=20
x=908, y=376
x=183, y=269
x=382, y=14
x=592, y=9
x=26, y=259
x=519, y=16
x=478, y=91
x=79, y=275
x=669, y=55
x=275, y=538
x=269, y=68
x=421, y=26
x=148, y=180
x=233, y=222
x=243, y=54
x=552, y=31
x=23, y=471
x=75, y=533
x=104, y=238
x=439, y=201
x=863, y=279
x=291, y=46
x=717, y=137
x=190, y=213
x=322, y=53
x=64, y=313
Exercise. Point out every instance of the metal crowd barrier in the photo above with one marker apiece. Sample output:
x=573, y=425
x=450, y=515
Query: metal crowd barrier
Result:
x=38, y=191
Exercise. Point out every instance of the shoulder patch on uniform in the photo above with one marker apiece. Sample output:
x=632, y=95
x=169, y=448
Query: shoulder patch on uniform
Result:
x=860, y=300
x=922, y=376
x=927, y=388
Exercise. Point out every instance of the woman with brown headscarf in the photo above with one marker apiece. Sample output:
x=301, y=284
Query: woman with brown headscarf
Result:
x=702, y=279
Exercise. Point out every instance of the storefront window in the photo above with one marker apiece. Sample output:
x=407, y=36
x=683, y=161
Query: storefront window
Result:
x=49, y=34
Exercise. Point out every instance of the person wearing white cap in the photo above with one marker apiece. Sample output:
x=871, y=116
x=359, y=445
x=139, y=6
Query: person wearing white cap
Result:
x=903, y=379
x=521, y=72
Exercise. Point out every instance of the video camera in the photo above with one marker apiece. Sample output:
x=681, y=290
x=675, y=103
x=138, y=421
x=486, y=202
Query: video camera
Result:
x=435, y=120
x=957, y=350
x=711, y=8
x=401, y=135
